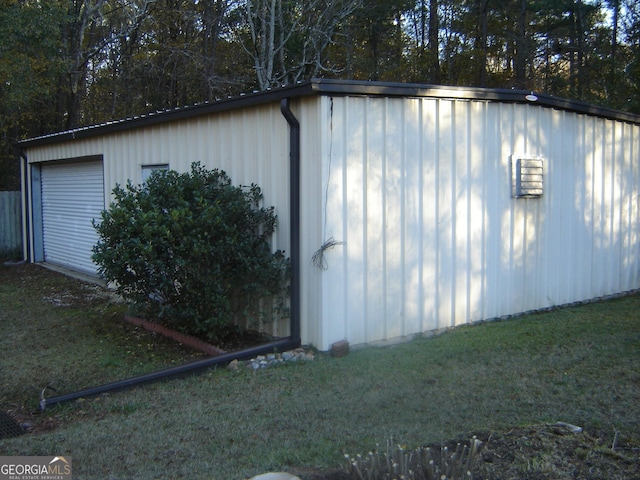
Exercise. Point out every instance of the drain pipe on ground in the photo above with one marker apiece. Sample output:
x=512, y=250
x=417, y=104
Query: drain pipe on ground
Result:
x=174, y=372
x=292, y=342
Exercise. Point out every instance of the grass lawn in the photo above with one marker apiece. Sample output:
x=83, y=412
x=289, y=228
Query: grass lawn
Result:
x=579, y=365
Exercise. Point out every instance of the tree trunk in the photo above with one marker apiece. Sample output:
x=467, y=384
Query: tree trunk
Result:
x=434, y=51
x=615, y=5
x=521, y=47
x=482, y=47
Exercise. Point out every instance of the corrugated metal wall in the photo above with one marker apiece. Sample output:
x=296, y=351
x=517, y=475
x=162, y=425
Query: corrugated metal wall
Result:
x=250, y=145
x=10, y=222
x=419, y=191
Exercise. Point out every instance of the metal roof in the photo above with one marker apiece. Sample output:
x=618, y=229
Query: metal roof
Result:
x=334, y=88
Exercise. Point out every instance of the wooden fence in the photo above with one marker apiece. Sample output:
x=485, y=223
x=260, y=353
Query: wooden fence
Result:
x=10, y=222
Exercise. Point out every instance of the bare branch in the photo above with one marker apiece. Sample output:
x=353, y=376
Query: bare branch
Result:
x=292, y=36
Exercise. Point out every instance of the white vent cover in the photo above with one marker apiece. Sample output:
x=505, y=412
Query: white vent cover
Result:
x=527, y=177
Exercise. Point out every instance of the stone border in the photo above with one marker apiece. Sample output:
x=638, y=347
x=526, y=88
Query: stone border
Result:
x=299, y=354
x=177, y=336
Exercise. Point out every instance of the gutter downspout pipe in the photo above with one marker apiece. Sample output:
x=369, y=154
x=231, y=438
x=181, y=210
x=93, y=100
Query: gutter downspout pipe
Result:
x=294, y=206
x=289, y=343
x=26, y=231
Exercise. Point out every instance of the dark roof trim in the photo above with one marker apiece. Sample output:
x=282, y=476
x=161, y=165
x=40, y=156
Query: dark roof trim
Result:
x=346, y=87
x=331, y=87
x=166, y=116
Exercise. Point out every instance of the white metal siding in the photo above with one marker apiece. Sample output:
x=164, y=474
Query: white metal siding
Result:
x=72, y=196
x=420, y=192
x=10, y=228
x=250, y=145
x=312, y=115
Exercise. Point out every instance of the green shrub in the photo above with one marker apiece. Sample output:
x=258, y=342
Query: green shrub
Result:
x=191, y=251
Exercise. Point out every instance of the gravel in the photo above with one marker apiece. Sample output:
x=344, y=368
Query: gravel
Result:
x=265, y=361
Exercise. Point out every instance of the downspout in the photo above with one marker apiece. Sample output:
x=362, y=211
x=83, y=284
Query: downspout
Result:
x=25, y=208
x=294, y=205
x=291, y=342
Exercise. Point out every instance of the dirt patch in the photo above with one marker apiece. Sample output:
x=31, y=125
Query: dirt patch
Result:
x=9, y=426
x=543, y=452
x=551, y=452
x=177, y=336
x=31, y=422
x=80, y=294
x=57, y=289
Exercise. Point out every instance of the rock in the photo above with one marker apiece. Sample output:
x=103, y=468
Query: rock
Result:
x=275, y=476
x=571, y=428
x=264, y=361
x=340, y=349
x=288, y=356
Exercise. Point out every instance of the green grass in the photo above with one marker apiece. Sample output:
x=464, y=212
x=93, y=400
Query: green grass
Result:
x=59, y=332
x=579, y=365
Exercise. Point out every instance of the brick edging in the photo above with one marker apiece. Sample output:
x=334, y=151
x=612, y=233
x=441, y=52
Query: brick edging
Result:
x=177, y=336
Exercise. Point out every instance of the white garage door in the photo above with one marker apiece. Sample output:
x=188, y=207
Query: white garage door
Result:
x=72, y=196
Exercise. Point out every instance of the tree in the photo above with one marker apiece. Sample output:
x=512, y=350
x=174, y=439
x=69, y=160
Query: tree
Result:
x=287, y=39
x=180, y=53
x=192, y=251
x=93, y=28
x=30, y=66
x=434, y=43
x=422, y=26
x=570, y=48
x=626, y=92
x=379, y=38
x=69, y=62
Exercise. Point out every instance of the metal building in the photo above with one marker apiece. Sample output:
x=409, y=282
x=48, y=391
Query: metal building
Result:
x=406, y=208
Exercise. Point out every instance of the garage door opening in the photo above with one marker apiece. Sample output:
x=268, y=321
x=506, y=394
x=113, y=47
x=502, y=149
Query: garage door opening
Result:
x=71, y=195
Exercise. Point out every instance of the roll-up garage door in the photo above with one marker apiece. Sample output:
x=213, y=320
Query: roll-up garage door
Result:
x=72, y=196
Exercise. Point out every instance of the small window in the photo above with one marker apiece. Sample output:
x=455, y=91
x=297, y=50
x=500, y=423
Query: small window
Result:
x=527, y=176
x=147, y=170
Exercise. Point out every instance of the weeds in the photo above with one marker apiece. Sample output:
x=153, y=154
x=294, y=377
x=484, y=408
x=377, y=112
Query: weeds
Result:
x=422, y=463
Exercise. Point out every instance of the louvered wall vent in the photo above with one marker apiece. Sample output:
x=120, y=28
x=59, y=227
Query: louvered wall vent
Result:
x=527, y=177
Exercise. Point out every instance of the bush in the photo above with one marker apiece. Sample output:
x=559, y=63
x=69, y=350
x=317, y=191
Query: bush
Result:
x=191, y=251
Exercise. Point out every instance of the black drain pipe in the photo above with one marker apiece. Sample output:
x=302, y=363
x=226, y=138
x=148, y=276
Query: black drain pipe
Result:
x=174, y=372
x=294, y=205
x=282, y=345
x=26, y=241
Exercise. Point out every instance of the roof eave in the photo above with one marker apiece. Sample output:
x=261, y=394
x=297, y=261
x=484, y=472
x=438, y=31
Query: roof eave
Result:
x=332, y=87
x=346, y=87
x=166, y=116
